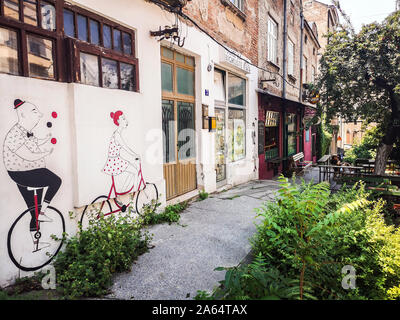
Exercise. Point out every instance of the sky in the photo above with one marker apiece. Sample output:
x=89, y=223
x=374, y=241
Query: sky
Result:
x=365, y=11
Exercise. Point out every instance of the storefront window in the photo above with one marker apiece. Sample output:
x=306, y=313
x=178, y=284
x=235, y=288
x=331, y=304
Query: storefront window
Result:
x=236, y=90
x=237, y=134
x=219, y=85
x=291, y=130
x=271, y=135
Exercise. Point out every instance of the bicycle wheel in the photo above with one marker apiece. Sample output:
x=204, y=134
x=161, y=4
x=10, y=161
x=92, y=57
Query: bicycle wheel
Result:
x=147, y=197
x=28, y=256
x=92, y=211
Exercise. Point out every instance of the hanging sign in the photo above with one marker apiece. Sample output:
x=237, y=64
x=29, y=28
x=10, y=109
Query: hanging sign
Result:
x=271, y=119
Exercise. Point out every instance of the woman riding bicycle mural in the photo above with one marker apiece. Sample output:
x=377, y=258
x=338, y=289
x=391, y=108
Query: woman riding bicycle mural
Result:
x=23, y=156
x=116, y=164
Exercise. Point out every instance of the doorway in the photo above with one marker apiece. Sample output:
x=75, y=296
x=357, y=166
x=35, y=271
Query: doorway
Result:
x=178, y=123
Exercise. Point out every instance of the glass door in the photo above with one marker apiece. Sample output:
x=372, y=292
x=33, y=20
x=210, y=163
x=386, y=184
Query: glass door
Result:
x=220, y=146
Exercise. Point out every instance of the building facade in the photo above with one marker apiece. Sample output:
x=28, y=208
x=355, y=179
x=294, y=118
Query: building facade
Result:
x=90, y=87
x=203, y=96
x=326, y=18
x=288, y=56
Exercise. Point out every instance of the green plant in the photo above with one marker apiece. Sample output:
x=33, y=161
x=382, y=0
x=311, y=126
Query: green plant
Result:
x=309, y=234
x=366, y=148
x=203, y=195
x=324, y=139
x=254, y=281
x=170, y=214
x=107, y=246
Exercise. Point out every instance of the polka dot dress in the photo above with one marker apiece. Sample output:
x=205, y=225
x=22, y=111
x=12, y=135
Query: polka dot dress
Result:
x=115, y=164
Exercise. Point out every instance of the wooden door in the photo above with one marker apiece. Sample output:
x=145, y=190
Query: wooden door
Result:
x=178, y=118
x=179, y=147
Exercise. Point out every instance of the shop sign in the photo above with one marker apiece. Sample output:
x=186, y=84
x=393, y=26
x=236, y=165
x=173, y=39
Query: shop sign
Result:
x=271, y=119
x=232, y=58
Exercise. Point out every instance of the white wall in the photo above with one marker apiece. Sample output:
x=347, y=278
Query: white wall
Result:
x=83, y=127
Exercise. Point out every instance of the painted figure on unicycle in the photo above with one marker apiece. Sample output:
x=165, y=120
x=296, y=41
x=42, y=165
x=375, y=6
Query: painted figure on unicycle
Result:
x=23, y=157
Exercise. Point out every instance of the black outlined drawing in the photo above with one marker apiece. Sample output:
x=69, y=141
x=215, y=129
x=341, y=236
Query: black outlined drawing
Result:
x=23, y=156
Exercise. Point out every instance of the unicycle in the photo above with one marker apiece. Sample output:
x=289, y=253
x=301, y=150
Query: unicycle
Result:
x=32, y=250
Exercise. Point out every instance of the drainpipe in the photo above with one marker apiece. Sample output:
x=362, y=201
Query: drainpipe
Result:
x=301, y=70
x=284, y=67
x=301, y=49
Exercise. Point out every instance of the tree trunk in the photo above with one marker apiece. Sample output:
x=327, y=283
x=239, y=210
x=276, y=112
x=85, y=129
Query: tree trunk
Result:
x=382, y=155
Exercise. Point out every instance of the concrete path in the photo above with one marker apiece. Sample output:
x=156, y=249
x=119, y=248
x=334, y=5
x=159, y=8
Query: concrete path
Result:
x=216, y=233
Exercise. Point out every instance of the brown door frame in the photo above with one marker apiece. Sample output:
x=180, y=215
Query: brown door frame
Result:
x=183, y=180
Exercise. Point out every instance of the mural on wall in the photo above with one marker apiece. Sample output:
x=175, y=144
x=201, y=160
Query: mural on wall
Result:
x=116, y=165
x=31, y=243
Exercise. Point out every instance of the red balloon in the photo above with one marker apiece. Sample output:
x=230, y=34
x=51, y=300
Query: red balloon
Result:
x=54, y=114
x=54, y=141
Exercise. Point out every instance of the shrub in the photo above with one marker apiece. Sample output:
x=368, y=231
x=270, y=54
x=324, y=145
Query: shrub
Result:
x=170, y=214
x=309, y=234
x=254, y=281
x=109, y=245
x=366, y=148
x=324, y=139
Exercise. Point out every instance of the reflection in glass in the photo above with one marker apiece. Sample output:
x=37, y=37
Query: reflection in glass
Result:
x=127, y=43
x=190, y=61
x=128, y=77
x=94, y=32
x=89, y=69
x=236, y=134
x=220, y=162
x=11, y=9
x=166, y=77
x=107, y=36
x=40, y=57
x=167, y=53
x=180, y=57
x=186, y=132
x=30, y=13
x=82, y=27
x=117, y=40
x=291, y=131
x=185, y=81
x=110, y=73
x=168, y=128
x=48, y=16
x=236, y=90
x=69, y=26
x=8, y=51
x=219, y=85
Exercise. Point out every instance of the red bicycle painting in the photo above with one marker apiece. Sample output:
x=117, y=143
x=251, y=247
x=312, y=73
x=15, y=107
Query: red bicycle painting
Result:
x=146, y=193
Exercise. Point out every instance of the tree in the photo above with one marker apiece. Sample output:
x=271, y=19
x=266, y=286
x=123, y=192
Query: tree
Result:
x=360, y=79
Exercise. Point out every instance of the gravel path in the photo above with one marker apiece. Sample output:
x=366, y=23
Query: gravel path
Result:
x=215, y=233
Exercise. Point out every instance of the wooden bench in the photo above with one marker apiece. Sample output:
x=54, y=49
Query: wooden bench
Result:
x=300, y=166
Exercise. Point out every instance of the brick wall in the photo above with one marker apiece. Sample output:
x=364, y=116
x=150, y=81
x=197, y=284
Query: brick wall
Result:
x=223, y=21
